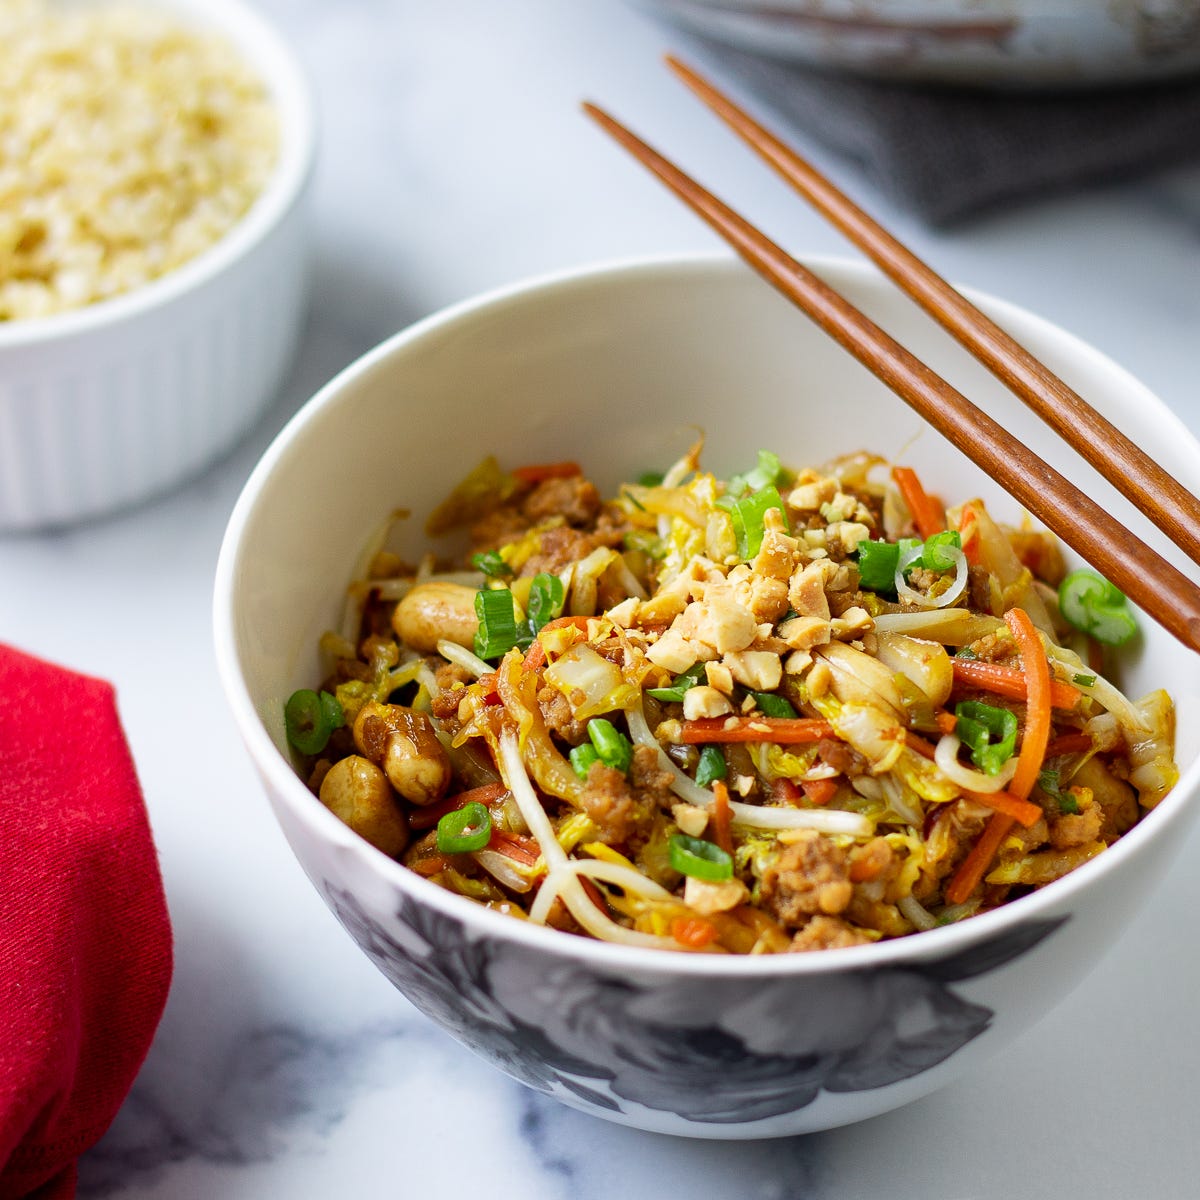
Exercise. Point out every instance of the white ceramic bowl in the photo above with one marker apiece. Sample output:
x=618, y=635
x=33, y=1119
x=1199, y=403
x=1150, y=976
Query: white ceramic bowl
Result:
x=617, y=366
x=107, y=405
x=969, y=43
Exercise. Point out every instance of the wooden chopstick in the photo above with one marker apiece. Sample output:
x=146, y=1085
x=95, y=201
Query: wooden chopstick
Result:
x=1149, y=580
x=1161, y=497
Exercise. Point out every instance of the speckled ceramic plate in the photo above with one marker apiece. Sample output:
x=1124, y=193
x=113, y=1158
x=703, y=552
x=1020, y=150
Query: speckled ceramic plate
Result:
x=1031, y=43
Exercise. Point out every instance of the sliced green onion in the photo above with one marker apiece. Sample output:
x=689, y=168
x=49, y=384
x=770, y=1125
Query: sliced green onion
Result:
x=711, y=766
x=1084, y=680
x=466, y=829
x=651, y=479
x=309, y=719
x=582, y=758
x=1051, y=784
x=681, y=683
x=877, y=565
x=879, y=561
x=492, y=564
x=933, y=552
x=748, y=515
x=965, y=652
x=767, y=471
x=770, y=704
x=546, y=597
x=497, y=632
x=613, y=747
x=1096, y=607
x=990, y=733
x=699, y=859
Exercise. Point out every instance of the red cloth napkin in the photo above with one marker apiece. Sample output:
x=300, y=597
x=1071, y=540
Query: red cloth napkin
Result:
x=85, y=943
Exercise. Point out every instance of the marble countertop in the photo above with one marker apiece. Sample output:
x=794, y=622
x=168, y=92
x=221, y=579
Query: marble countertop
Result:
x=454, y=159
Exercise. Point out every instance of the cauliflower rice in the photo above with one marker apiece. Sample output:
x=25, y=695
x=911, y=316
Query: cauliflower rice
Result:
x=129, y=143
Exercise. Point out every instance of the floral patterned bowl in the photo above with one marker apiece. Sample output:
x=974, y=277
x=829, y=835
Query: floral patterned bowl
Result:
x=617, y=366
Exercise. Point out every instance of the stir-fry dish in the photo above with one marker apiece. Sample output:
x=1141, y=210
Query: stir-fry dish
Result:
x=789, y=710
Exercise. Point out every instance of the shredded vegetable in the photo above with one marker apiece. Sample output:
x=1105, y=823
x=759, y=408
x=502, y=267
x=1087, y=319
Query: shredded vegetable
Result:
x=786, y=710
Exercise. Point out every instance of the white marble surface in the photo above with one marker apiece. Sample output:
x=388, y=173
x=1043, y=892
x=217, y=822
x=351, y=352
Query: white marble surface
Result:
x=454, y=159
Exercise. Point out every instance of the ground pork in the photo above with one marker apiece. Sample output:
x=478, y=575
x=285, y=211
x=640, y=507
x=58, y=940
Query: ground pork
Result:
x=841, y=756
x=650, y=778
x=1077, y=829
x=499, y=527
x=559, y=716
x=622, y=815
x=828, y=933
x=559, y=546
x=807, y=877
x=575, y=499
x=451, y=678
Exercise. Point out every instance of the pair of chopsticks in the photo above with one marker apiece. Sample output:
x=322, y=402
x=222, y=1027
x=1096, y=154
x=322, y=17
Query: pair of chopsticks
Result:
x=1162, y=591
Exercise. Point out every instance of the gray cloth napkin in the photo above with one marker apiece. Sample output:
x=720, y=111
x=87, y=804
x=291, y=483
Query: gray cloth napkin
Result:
x=947, y=154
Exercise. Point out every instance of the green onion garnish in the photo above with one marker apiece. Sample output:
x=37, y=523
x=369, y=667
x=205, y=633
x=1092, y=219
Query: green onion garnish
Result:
x=497, y=632
x=933, y=552
x=711, y=766
x=545, y=601
x=582, y=758
x=965, y=652
x=1084, y=680
x=767, y=471
x=309, y=719
x=613, y=747
x=492, y=564
x=466, y=829
x=990, y=733
x=674, y=693
x=1051, y=784
x=699, y=859
x=772, y=705
x=877, y=563
x=651, y=479
x=1096, y=607
x=748, y=515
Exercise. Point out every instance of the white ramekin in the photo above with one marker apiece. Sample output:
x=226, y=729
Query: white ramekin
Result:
x=107, y=405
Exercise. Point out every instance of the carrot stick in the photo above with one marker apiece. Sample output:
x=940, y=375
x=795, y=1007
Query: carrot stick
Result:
x=1036, y=734
x=969, y=530
x=914, y=741
x=520, y=849
x=539, y=472
x=781, y=730
x=945, y=719
x=927, y=513
x=426, y=818
x=1008, y=681
x=819, y=791
x=431, y=864
x=971, y=869
x=1068, y=743
x=693, y=932
x=595, y=895
x=1034, y=739
x=1024, y=811
x=722, y=817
